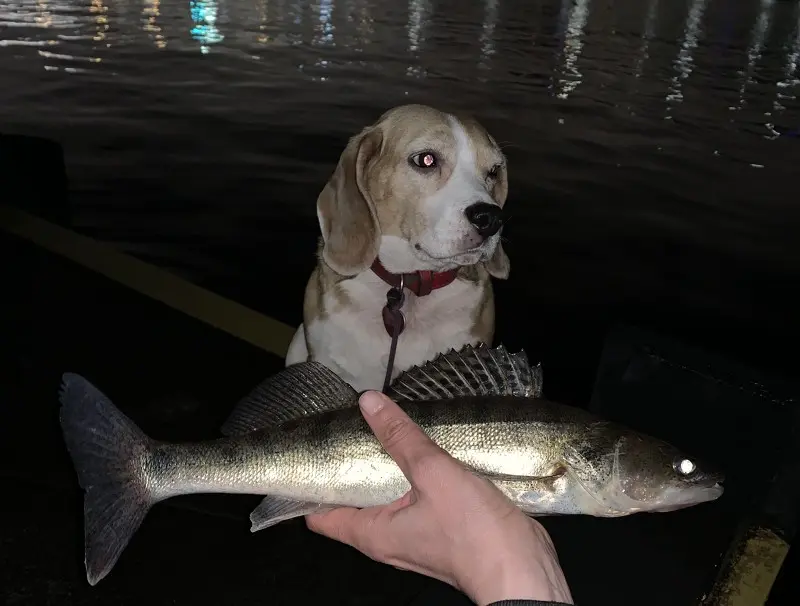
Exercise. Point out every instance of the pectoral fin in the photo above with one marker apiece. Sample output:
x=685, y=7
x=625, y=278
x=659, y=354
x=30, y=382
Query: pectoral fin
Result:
x=537, y=495
x=273, y=510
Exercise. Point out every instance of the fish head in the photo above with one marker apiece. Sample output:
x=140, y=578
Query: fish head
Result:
x=626, y=472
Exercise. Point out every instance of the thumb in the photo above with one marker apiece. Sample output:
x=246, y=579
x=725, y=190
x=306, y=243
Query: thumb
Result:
x=403, y=439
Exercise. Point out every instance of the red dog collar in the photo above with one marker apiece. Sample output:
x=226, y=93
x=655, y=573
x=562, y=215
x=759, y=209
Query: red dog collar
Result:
x=421, y=283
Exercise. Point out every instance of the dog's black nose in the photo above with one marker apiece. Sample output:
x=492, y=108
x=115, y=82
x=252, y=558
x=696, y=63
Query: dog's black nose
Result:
x=486, y=218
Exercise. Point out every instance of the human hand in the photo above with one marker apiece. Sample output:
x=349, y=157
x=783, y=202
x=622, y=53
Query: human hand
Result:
x=452, y=525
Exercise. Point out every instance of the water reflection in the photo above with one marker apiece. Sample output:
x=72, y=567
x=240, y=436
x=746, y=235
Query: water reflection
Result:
x=56, y=18
x=151, y=11
x=99, y=10
x=252, y=73
x=323, y=26
x=647, y=35
x=44, y=18
x=419, y=14
x=205, y=31
x=758, y=35
x=278, y=22
x=387, y=40
x=365, y=24
x=573, y=44
x=685, y=62
x=487, y=33
x=790, y=74
x=35, y=14
x=263, y=36
x=323, y=35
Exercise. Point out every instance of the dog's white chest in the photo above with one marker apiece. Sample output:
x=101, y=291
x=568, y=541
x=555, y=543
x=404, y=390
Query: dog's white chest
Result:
x=353, y=341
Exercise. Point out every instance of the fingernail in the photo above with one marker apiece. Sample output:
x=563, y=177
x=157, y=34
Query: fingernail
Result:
x=371, y=402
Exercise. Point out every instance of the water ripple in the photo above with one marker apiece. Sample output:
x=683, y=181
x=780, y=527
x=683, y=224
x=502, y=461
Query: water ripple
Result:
x=660, y=119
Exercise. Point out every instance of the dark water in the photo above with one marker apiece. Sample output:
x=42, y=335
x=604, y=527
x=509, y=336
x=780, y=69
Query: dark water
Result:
x=647, y=179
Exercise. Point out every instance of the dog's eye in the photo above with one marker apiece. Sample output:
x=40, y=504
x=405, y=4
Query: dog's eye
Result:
x=425, y=160
x=494, y=171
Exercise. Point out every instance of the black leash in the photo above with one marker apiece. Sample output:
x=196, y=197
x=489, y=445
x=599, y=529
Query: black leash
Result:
x=392, y=316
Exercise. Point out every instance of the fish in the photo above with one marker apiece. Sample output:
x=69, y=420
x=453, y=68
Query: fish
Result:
x=299, y=440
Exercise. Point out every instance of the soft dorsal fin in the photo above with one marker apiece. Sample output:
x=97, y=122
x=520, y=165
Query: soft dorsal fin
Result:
x=297, y=391
x=471, y=371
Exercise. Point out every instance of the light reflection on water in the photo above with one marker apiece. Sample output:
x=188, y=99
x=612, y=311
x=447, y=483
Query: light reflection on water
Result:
x=790, y=75
x=339, y=37
x=573, y=44
x=419, y=13
x=684, y=62
x=150, y=16
x=208, y=121
x=758, y=36
x=205, y=30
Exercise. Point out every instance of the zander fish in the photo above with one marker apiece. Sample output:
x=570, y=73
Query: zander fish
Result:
x=299, y=438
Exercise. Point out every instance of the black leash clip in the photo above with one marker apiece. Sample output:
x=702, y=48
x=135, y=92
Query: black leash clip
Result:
x=393, y=318
x=395, y=322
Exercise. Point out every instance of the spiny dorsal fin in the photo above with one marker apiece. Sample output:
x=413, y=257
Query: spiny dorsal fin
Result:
x=297, y=391
x=472, y=371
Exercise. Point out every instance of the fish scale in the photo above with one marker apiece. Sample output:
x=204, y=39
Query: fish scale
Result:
x=299, y=439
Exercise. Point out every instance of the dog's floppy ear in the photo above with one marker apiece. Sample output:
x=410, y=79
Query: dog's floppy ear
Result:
x=345, y=210
x=498, y=264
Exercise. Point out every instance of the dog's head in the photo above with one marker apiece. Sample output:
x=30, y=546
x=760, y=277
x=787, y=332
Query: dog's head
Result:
x=422, y=188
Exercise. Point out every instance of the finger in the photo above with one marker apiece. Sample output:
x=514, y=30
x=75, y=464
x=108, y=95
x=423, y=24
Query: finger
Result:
x=365, y=529
x=337, y=524
x=403, y=439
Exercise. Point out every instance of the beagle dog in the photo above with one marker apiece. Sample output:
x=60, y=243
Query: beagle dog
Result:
x=417, y=197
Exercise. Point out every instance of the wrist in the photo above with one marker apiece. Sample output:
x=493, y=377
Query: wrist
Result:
x=516, y=582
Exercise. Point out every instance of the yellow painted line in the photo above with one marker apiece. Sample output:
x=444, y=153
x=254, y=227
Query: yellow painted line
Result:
x=235, y=319
x=749, y=573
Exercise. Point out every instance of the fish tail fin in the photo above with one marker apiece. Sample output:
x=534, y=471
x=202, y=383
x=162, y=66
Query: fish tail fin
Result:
x=109, y=453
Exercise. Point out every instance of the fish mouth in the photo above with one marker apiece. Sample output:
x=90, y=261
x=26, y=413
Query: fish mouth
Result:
x=713, y=492
x=711, y=478
x=694, y=497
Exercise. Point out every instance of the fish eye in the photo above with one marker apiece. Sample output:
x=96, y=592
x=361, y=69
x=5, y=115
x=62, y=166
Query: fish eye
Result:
x=684, y=466
x=424, y=160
